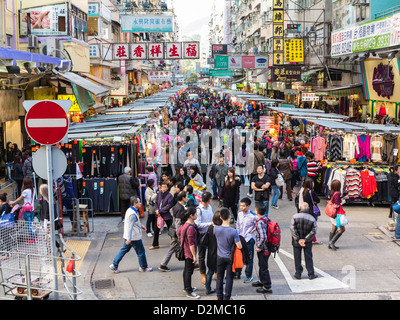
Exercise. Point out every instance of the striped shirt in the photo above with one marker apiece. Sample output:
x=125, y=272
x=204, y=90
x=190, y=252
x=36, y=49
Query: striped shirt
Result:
x=312, y=168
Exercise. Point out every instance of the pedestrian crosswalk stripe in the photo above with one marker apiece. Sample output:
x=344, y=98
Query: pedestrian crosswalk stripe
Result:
x=323, y=282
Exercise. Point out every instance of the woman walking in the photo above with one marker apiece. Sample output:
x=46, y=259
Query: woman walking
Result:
x=230, y=193
x=276, y=192
x=336, y=199
x=286, y=168
x=188, y=233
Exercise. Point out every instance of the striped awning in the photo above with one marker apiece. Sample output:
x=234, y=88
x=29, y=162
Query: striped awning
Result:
x=343, y=91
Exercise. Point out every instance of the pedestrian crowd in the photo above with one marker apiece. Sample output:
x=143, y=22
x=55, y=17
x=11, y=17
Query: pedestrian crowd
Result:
x=223, y=242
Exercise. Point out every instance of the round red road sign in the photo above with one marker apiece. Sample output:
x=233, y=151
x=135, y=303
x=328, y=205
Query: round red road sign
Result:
x=47, y=122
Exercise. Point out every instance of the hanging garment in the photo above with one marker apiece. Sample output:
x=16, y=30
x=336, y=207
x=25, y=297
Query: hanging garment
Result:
x=350, y=146
x=364, y=148
x=368, y=183
x=389, y=143
x=318, y=146
x=338, y=174
x=376, y=148
x=353, y=183
x=335, y=148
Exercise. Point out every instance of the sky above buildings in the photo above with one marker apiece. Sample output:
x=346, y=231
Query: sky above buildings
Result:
x=193, y=16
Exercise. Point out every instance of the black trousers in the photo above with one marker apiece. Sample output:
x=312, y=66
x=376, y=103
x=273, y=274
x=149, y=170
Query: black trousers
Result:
x=187, y=275
x=202, y=258
x=124, y=205
x=308, y=257
x=264, y=275
x=157, y=232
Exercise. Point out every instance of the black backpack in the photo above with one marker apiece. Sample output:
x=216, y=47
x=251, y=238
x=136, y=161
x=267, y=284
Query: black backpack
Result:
x=180, y=248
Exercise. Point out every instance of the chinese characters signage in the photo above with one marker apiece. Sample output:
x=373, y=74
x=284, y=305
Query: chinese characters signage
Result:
x=278, y=32
x=220, y=73
x=173, y=50
x=377, y=34
x=219, y=49
x=159, y=76
x=191, y=50
x=305, y=96
x=294, y=50
x=138, y=51
x=147, y=23
x=286, y=74
x=121, y=51
x=155, y=51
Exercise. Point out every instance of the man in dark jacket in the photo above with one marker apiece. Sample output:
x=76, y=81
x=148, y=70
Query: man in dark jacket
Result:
x=303, y=227
x=164, y=202
x=128, y=187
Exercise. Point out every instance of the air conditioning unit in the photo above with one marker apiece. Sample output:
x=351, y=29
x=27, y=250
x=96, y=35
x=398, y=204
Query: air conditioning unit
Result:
x=52, y=47
x=33, y=42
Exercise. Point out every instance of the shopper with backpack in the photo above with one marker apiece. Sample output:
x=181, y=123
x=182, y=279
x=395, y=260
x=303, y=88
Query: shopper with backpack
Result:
x=264, y=284
x=303, y=227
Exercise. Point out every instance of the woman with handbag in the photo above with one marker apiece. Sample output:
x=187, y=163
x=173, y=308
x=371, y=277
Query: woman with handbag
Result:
x=230, y=193
x=336, y=232
x=310, y=197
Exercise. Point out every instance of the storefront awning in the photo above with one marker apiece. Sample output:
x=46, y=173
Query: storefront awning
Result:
x=343, y=91
x=97, y=90
x=102, y=82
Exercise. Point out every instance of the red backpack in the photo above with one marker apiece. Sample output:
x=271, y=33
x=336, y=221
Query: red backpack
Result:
x=273, y=241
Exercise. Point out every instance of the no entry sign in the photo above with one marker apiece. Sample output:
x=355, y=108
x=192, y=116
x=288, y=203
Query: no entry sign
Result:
x=47, y=122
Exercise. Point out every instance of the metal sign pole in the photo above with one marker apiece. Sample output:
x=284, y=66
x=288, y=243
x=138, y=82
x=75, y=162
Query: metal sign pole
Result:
x=51, y=213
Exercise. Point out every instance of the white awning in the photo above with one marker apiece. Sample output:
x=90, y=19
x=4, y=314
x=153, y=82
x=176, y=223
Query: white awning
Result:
x=92, y=87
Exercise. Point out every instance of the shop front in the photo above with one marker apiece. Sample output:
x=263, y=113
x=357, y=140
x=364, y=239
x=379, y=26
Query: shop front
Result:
x=380, y=81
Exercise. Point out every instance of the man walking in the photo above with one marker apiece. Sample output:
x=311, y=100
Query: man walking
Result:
x=227, y=237
x=245, y=225
x=128, y=187
x=303, y=227
x=221, y=171
x=203, y=221
x=132, y=238
x=264, y=284
x=261, y=184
